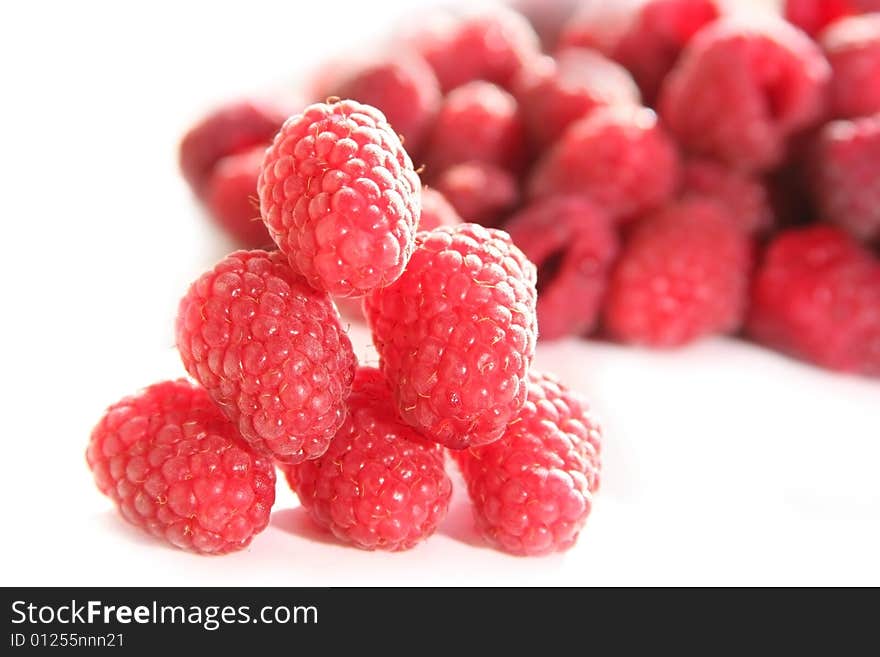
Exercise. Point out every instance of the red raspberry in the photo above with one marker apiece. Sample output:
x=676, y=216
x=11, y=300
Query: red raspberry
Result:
x=477, y=122
x=402, y=85
x=533, y=489
x=227, y=130
x=456, y=334
x=178, y=469
x=380, y=485
x=573, y=246
x=745, y=197
x=683, y=274
x=487, y=45
x=852, y=46
x=618, y=156
x=553, y=93
x=812, y=16
x=340, y=197
x=817, y=296
x=231, y=197
x=741, y=89
x=271, y=352
x=846, y=175
x=645, y=36
x=436, y=211
x=480, y=192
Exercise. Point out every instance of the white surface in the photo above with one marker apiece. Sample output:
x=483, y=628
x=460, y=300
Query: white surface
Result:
x=724, y=464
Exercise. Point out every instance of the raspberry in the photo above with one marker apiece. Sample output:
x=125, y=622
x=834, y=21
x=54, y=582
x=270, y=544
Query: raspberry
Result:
x=489, y=45
x=683, y=274
x=745, y=197
x=618, y=156
x=403, y=86
x=229, y=129
x=852, y=46
x=231, y=197
x=553, y=93
x=573, y=246
x=340, y=197
x=812, y=16
x=533, y=489
x=456, y=334
x=645, y=36
x=178, y=469
x=846, y=175
x=740, y=90
x=380, y=485
x=271, y=352
x=477, y=122
x=479, y=192
x=436, y=211
x=817, y=296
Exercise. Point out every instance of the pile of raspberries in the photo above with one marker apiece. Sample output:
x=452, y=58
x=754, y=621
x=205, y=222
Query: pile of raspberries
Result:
x=650, y=172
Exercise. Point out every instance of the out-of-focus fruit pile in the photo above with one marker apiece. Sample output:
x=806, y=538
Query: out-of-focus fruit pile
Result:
x=653, y=157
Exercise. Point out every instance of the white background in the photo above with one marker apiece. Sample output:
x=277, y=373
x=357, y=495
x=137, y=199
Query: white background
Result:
x=724, y=464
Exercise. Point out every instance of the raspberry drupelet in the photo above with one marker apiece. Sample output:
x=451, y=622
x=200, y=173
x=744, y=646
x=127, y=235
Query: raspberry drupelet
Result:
x=481, y=193
x=271, y=352
x=177, y=468
x=533, y=489
x=340, y=197
x=456, y=334
x=381, y=485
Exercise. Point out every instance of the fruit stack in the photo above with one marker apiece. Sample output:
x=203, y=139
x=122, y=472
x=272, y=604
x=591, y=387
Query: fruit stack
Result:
x=650, y=171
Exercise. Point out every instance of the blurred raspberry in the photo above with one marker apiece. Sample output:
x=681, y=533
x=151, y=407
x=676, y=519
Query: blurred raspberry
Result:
x=436, y=211
x=231, y=198
x=479, y=192
x=645, y=36
x=477, y=122
x=176, y=468
x=487, y=44
x=816, y=296
x=683, y=274
x=380, y=486
x=229, y=129
x=456, y=334
x=619, y=157
x=402, y=85
x=340, y=197
x=742, y=88
x=852, y=45
x=846, y=175
x=812, y=16
x=533, y=489
x=270, y=351
x=745, y=197
x=553, y=93
x=573, y=245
